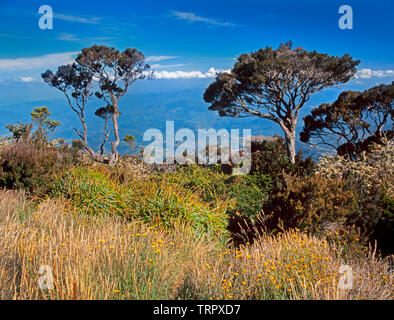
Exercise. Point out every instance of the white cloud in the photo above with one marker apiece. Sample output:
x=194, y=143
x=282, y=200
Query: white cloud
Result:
x=68, y=37
x=159, y=58
x=72, y=37
x=87, y=20
x=159, y=66
x=40, y=62
x=26, y=79
x=367, y=73
x=212, y=73
x=192, y=17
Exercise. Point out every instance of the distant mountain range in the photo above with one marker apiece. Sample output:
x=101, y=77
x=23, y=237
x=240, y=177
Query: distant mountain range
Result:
x=142, y=111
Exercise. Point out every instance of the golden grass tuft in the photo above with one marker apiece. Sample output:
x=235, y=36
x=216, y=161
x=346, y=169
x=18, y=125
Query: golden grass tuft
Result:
x=96, y=257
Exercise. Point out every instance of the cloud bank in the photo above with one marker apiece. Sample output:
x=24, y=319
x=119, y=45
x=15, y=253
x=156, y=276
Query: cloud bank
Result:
x=192, y=17
x=77, y=19
x=212, y=73
x=40, y=62
x=367, y=73
x=159, y=58
x=26, y=79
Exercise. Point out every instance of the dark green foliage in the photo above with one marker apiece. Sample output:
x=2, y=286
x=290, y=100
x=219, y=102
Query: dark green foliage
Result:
x=269, y=158
x=312, y=203
x=353, y=122
x=384, y=229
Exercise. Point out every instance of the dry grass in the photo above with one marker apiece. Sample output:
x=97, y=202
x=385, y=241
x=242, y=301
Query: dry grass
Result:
x=108, y=258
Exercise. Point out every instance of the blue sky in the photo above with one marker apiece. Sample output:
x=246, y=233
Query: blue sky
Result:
x=196, y=34
x=187, y=41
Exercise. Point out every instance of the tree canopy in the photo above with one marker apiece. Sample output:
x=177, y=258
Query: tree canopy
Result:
x=352, y=122
x=276, y=84
x=76, y=84
x=114, y=71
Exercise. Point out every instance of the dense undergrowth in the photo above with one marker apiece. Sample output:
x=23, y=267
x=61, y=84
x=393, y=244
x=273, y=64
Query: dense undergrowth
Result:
x=194, y=232
x=102, y=257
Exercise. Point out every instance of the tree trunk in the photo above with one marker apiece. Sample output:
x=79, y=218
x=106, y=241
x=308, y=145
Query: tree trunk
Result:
x=106, y=136
x=85, y=136
x=114, y=145
x=289, y=129
x=290, y=145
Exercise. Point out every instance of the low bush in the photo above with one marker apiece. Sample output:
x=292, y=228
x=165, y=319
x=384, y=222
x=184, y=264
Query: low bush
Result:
x=370, y=177
x=311, y=203
x=166, y=203
x=269, y=157
x=354, y=198
x=91, y=192
x=26, y=166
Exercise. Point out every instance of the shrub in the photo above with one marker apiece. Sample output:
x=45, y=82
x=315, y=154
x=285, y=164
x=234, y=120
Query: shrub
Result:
x=250, y=193
x=166, y=203
x=372, y=169
x=269, y=157
x=370, y=177
x=310, y=203
x=26, y=166
x=384, y=229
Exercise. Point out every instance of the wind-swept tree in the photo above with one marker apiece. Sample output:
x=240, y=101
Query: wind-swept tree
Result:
x=75, y=83
x=276, y=84
x=354, y=121
x=115, y=72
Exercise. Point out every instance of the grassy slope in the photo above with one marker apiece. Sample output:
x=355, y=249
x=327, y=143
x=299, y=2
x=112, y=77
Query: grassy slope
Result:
x=105, y=257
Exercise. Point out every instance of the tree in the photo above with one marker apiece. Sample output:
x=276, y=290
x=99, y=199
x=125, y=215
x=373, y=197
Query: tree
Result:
x=131, y=142
x=115, y=71
x=354, y=121
x=276, y=84
x=40, y=117
x=105, y=113
x=75, y=83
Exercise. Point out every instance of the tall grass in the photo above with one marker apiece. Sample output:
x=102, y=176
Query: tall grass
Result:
x=164, y=203
x=108, y=257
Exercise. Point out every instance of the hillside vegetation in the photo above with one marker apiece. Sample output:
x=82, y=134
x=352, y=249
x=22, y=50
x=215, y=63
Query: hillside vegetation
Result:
x=284, y=231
